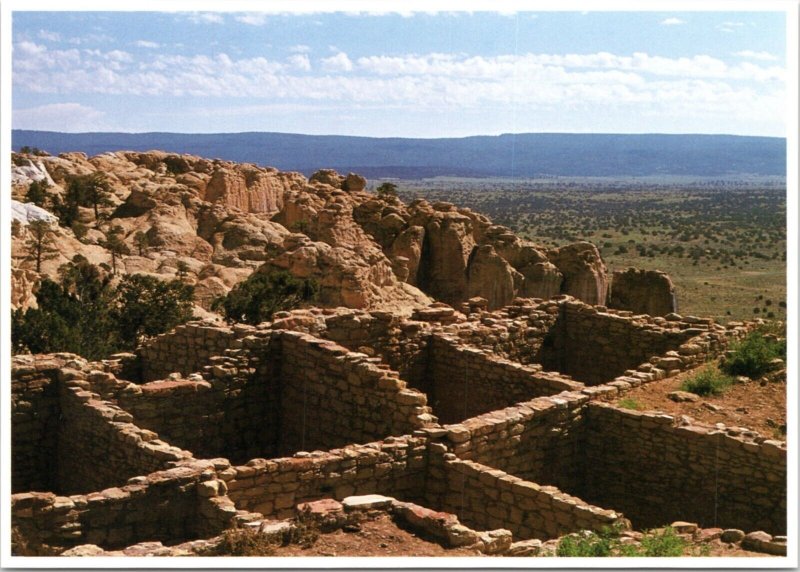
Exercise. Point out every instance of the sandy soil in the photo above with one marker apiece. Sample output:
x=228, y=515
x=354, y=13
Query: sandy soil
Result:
x=379, y=537
x=761, y=408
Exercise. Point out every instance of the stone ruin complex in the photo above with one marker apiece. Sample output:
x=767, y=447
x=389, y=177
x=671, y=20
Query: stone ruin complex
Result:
x=500, y=418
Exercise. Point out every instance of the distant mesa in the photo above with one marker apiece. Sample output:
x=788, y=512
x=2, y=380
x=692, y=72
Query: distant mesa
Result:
x=509, y=155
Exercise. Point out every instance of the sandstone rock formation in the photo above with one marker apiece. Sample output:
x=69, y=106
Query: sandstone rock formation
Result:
x=585, y=273
x=225, y=220
x=643, y=292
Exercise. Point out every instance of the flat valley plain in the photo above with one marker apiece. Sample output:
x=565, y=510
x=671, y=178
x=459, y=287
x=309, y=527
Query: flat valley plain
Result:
x=722, y=241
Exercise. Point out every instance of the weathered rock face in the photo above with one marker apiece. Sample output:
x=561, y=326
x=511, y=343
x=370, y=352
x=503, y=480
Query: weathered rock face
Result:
x=225, y=220
x=642, y=291
x=344, y=276
x=408, y=244
x=447, y=247
x=490, y=276
x=23, y=283
x=249, y=189
x=585, y=273
x=354, y=183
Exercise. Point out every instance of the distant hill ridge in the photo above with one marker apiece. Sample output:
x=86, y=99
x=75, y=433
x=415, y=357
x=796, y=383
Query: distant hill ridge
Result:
x=508, y=155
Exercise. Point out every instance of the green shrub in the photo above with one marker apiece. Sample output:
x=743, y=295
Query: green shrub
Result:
x=752, y=355
x=256, y=299
x=709, y=381
x=591, y=545
x=630, y=403
x=663, y=543
x=84, y=313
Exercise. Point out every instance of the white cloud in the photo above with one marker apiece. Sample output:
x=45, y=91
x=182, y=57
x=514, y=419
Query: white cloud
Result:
x=300, y=61
x=339, y=62
x=300, y=49
x=730, y=27
x=672, y=22
x=29, y=48
x=146, y=44
x=205, y=18
x=752, y=55
x=66, y=116
x=252, y=18
x=49, y=36
x=90, y=39
x=640, y=81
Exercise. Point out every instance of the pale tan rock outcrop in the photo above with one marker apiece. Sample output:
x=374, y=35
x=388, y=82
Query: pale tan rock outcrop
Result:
x=408, y=245
x=23, y=285
x=354, y=183
x=344, y=276
x=585, y=273
x=224, y=220
x=491, y=277
x=642, y=291
x=447, y=249
x=249, y=188
x=327, y=177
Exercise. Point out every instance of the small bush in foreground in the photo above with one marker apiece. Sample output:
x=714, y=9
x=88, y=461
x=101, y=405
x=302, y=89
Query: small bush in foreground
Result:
x=239, y=541
x=709, y=381
x=591, y=545
x=630, y=403
x=663, y=543
x=244, y=542
x=753, y=355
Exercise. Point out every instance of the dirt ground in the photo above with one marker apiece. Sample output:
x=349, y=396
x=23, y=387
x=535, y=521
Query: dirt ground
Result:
x=761, y=408
x=379, y=537
x=382, y=537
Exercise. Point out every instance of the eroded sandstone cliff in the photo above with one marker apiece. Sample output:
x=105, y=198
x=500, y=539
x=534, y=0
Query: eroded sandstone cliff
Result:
x=224, y=221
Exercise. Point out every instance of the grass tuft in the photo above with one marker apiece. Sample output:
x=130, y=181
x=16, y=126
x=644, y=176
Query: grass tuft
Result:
x=664, y=542
x=753, y=355
x=709, y=381
x=629, y=403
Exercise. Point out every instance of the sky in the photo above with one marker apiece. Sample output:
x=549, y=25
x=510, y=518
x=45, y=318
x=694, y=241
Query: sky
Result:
x=444, y=74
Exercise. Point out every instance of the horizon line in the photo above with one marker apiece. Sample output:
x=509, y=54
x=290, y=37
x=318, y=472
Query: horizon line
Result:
x=687, y=134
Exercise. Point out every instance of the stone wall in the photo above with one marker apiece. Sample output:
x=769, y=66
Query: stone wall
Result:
x=402, y=344
x=595, y=346
x=66, y=439
x=232, y=415
x=463, y=382
x=35, y=410
x=332, y=397
x=483, y=497
x=539, y=440
x=185, y=349
x=100, y=447
x=656, y=471
x=277, y=393
x=394, y=466
x=516, y=332
x=166, y=506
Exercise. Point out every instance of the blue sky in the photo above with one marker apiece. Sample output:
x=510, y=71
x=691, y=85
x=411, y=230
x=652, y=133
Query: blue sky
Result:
x=411, y=75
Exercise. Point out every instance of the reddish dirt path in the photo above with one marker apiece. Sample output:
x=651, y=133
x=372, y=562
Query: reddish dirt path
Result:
x=379, y=537
x=761, y=408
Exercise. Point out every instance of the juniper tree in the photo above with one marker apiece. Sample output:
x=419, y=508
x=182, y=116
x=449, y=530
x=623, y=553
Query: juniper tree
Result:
x=115, y=244
x=41, y=243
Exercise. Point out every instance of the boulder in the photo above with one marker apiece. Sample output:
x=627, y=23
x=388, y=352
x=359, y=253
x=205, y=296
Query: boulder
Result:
x=585, y=273
x=642, y=292
x=354, y=183
x=490, y=276
x=408, y=244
